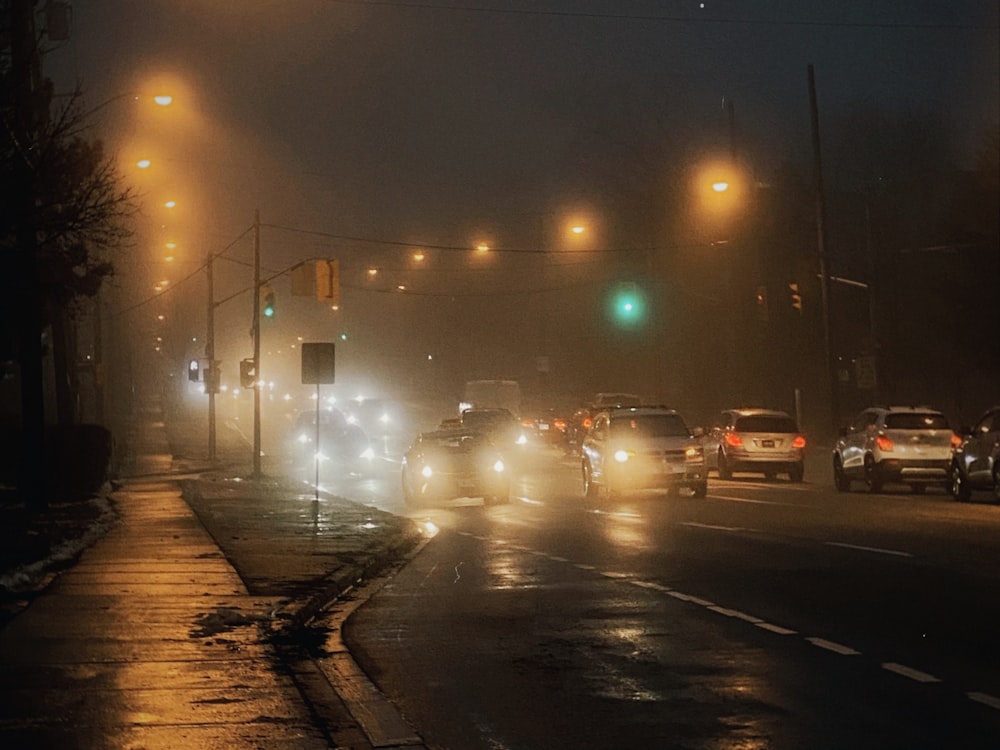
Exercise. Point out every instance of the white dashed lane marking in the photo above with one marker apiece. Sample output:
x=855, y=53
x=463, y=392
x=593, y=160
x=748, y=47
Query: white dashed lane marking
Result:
x=877, y=550
x=834, y=647
x=913, y=674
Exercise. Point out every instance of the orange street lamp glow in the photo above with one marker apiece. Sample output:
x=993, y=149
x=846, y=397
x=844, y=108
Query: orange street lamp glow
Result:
x=143, y=163
x=372, y=273
x=720, y=186
x=171, y=246
x=170, y=204
x=169, y=258
x=163, y=100
x=578, y=229
x=482, y=247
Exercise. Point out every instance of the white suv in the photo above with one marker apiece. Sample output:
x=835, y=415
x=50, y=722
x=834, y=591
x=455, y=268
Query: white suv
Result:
x=642, y=447
x=906, y=444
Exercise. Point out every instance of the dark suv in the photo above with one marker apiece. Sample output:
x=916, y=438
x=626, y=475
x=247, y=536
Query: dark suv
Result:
x=975, y=464
x=642, y=447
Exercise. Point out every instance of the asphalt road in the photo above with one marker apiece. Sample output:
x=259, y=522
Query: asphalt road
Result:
x=768, y=615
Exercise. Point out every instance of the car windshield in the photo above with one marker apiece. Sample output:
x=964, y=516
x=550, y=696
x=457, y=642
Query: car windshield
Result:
x=766, y=423
x=910, y=421
x=649, y=426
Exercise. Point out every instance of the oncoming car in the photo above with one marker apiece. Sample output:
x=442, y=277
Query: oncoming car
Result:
x=642, y=447
x=910, y=445
x=451, y=464
x=755, y=440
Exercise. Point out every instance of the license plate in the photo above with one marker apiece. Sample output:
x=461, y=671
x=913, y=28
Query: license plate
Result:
x=767, y=443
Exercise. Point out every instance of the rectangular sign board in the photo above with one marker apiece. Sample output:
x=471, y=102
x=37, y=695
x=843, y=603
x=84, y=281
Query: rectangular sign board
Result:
x=317, y=363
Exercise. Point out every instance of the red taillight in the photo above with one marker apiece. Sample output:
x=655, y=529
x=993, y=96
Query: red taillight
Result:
x=586, y=423
x=884, y=444
x=560, y=424
x=799, y=442
x=734, y=440
x=956, y=441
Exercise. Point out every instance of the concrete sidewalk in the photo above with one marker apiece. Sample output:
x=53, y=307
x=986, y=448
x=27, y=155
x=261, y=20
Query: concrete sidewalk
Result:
x=152, y=640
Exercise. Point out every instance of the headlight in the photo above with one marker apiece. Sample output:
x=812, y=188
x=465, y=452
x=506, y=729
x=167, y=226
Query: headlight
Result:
x=522, y=439
x=621, y=456
x=498, y=466
x=368, y=453
x=426, y=472
x=693, y=453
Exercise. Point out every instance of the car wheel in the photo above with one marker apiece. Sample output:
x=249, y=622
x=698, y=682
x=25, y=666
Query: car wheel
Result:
x=957, y=486
x=590, y=490
x=840, y=478
x=724, y=471
x=700, y=489
x=872, y=476
x=797, y=474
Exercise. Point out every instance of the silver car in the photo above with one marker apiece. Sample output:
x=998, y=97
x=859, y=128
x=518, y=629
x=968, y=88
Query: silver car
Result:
x=642, y=448
x=765, y=441
x=976, y=463
x=905, y=444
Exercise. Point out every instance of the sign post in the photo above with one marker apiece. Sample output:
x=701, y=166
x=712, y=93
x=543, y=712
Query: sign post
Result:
x=317, y=368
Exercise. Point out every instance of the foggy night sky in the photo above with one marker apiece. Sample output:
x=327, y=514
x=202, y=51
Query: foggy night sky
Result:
x=392, y=111
x=419, y=122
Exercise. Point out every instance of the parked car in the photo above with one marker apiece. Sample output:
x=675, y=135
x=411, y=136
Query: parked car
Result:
x=642, y=447
x=765, y=441
x=904, y=444
x=449, y=464
x=975, y=464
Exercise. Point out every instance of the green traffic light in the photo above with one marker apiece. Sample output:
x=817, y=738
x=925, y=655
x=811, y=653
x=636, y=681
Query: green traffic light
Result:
x=628, y=306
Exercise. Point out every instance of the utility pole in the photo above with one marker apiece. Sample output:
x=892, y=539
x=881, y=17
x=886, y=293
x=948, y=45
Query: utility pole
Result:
x=212, y=380
x=824, y=278
x=256, y=343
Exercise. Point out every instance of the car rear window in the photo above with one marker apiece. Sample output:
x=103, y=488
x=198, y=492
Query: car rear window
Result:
x=649, y=426
x=765, y=423
x=909, y=421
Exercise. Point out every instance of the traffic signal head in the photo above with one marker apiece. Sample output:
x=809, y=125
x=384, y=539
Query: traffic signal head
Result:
x=796, y=297
x=628, y=306
x=267, y=307
x=248, y=373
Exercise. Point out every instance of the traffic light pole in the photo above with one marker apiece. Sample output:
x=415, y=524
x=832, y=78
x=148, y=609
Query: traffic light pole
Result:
x=212, y=380
x=256, y=343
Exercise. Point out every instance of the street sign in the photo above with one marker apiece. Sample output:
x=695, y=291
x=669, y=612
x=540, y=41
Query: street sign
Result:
x=317, y=363
x=864, y=372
